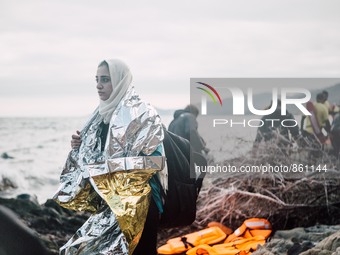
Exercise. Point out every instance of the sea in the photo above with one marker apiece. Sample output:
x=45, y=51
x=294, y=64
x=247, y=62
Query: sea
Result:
x=33, y=150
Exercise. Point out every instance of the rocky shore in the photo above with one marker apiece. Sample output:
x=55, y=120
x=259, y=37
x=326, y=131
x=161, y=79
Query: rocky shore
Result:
x=304, y=212
x=54, y=225
x=315, y=240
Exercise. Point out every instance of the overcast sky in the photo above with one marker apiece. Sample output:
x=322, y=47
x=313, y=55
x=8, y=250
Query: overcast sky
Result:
x=49, y=50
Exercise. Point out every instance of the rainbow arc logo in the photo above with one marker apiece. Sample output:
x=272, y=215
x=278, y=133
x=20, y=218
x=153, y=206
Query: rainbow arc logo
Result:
x=211, y=92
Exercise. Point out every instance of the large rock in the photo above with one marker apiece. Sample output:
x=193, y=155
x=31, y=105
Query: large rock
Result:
x=52, y=224
x=16, y=238
x=7, y=184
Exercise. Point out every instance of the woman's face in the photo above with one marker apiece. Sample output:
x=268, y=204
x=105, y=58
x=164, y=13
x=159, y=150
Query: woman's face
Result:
x=104, y=85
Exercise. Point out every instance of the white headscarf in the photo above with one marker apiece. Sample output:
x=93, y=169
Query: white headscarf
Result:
x=121, y=79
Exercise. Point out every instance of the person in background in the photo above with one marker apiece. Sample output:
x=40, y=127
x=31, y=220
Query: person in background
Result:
x=274, y=129
x=335, y=134
x=185, y=125
x=325, y=101
x=322, y=117
x=114, y=170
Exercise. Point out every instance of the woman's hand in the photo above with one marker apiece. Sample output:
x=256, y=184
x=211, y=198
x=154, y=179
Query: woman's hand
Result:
x=76, y=141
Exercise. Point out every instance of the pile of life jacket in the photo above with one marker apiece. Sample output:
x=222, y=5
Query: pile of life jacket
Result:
x=218, y=239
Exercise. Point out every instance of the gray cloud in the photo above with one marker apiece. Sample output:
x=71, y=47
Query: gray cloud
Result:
x=51, y=48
